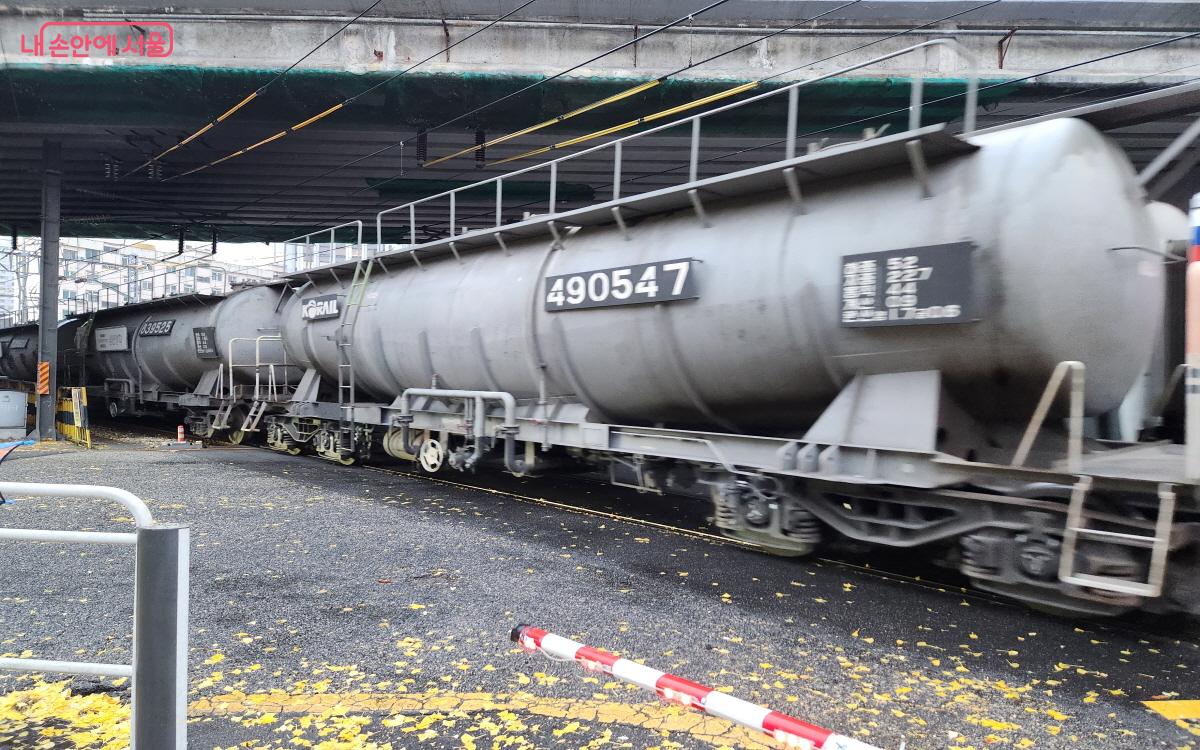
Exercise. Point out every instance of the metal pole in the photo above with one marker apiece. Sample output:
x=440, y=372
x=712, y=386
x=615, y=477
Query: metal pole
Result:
x=694, y=156
x=1191, y=383
x=916, y=97
x=793, y=115
x=160, y=637
x=48, y=322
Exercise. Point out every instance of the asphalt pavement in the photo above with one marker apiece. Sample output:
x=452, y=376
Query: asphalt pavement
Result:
x=339, y=607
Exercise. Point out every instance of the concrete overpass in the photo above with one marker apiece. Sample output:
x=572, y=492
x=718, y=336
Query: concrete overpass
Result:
x=113, y=112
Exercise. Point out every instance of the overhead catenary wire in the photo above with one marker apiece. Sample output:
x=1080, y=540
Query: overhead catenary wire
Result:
x=635, y=89
x=214, y=121
x=859, y=121
x=535, y=84
x=725, y=94
x=350, y=100
x=866, y=119
x=378, y=185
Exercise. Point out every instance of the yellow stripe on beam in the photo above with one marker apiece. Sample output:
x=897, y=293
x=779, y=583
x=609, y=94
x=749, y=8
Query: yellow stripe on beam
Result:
x=632, y=123
x=553, y=121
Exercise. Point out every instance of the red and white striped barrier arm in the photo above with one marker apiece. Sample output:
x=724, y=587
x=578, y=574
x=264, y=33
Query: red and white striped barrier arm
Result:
x=790, y=731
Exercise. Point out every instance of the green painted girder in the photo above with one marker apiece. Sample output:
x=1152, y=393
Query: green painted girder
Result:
x=185, y=97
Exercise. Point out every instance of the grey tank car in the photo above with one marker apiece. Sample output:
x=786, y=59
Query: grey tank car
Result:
x=837, y=344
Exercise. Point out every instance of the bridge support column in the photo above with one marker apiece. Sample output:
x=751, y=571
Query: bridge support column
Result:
x=48, y=299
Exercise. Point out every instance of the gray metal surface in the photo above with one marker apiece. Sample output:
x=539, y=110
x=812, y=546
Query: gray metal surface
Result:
x=172, y=360
x=762, y=342
x=48, y=284
x=160, y=637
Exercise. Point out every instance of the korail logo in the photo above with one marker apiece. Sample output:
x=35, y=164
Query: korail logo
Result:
x=319, y=308
x=67, y=39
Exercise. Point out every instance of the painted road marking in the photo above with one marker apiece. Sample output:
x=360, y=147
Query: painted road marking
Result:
x=1175, y=710
x=1185, y=714
x=654, y=717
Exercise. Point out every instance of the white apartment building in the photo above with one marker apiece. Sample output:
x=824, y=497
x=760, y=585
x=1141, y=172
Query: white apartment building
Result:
x=96, y=274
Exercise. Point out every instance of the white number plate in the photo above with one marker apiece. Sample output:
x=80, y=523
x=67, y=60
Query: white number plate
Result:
x=665, y=281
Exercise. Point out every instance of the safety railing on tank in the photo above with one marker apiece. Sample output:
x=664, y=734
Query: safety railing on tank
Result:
x=326, y=253
x=278, y=384
x=617, y=146
x=155, y=286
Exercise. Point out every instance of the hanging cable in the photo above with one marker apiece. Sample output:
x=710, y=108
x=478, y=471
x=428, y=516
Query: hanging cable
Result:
x=425, y=131
x=489, y=213
x=213, y=122
x=350, y=100
x=376, y=186
x=638, y=88
x=734, y=91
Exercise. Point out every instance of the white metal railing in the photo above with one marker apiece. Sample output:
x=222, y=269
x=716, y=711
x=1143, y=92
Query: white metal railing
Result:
x=616, y=146
x=159, y=668
x=273, y=389
x=299, y=254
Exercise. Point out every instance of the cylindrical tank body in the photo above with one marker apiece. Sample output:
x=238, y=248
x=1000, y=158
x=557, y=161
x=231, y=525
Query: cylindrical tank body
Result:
x=1053, y=210
x=19, y=352
x=173, y=346
x=14, y=407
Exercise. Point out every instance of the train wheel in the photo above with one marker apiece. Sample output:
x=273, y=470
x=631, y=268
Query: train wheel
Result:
x=234, y=433
x=431, y=455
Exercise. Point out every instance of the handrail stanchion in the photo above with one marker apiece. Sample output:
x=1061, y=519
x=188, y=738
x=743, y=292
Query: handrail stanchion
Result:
x=499, y=201
x=793, y=116
x=916, y=98
x=617, y=170
x=694, y=155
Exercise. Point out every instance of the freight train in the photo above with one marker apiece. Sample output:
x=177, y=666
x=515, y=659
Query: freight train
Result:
x=855, y=343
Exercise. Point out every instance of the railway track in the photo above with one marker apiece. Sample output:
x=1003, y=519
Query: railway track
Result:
x=910, y=572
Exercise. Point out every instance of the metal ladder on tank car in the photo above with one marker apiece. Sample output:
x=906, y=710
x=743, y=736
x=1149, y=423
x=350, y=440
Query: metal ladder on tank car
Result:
x=345, y=342
x=1078, y=528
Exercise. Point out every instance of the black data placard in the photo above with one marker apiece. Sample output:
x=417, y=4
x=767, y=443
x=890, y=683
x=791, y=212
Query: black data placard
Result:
x=205, y=339
x=911, y=286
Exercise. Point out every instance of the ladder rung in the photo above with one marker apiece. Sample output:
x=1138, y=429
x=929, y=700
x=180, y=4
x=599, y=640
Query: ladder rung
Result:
x=1133, y=540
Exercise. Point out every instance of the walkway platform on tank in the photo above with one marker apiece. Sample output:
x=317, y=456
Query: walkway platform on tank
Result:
x=370, y=608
